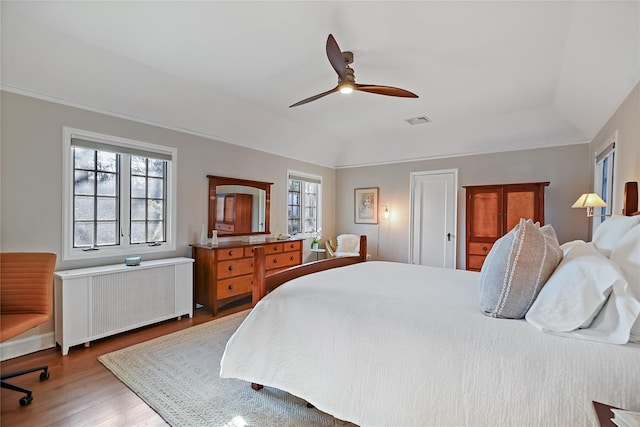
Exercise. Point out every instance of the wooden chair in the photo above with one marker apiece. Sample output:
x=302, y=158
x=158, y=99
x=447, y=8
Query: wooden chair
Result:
x=26, y=301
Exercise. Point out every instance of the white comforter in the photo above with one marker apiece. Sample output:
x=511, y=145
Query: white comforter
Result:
x=392, y=344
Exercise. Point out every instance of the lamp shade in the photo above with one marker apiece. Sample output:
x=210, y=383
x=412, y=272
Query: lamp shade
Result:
x=589, y=200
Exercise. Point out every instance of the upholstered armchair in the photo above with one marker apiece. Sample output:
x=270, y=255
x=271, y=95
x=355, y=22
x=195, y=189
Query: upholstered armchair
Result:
x=343, y=245
x=26, y=301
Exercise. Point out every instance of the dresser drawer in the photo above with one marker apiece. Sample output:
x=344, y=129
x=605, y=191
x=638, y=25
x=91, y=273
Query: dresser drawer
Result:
x=480, y=248
x=269, y=248
x=234, y=286
x=248, y=252
x=230, y=253
x=225, y=227
x=475, y=262
x=236, y=267
x=292, y=246
x=286, y=259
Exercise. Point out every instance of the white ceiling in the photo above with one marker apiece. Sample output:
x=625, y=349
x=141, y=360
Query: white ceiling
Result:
x=492, y=76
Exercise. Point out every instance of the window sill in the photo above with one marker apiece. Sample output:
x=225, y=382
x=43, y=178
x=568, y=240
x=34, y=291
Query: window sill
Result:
x=79, y=254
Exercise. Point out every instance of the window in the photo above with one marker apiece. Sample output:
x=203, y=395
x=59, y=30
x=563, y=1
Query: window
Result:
x=605, y=164
x=303, y=207
x=96, y=198
x=119, y=196
x=148, y=200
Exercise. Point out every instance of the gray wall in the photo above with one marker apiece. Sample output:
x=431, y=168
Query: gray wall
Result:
x=31, y=177
x=31, y=155
x=626, y=121
x=569, y=169
x=565, y=167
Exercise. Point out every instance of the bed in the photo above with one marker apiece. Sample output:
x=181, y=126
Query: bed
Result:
x=418, y=350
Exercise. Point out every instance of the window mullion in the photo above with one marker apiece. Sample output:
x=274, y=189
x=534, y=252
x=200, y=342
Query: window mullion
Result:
x=95, y=199
x=303, y=207
x=125, y=200
x=146, y=201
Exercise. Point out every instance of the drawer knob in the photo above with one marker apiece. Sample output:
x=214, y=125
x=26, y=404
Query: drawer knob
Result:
x=291, y=258
x=230, y=287
x=484, y=249
x=230, y=253
x=275, y=260
x=230, y=267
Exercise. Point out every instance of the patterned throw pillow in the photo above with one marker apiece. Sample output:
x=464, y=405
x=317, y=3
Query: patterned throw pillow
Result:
x=517, y=267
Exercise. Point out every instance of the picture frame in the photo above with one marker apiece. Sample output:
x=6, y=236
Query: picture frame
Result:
x=365, y=205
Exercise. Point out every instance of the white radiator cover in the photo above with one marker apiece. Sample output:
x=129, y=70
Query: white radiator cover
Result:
x=92, y=303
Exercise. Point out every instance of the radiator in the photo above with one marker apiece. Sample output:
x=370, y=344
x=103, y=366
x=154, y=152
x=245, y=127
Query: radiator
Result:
x=92, y=303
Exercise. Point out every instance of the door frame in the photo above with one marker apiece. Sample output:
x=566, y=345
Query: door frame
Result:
x=455, y=209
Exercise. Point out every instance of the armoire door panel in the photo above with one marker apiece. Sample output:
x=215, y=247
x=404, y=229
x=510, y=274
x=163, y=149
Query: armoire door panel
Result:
x=519, y=204
x=486, y=219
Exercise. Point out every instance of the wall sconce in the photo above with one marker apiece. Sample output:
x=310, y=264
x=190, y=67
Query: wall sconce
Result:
x=385, y=213
x=589, y=201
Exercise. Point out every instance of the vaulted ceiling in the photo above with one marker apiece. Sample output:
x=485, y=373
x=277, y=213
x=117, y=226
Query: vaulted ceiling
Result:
x=491, y=76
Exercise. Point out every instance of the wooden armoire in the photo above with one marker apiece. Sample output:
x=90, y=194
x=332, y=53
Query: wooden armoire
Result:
x=493, y=210
x=233, y=213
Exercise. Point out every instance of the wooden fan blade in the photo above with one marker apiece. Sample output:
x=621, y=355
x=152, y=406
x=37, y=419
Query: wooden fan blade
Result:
x=313, y=98
x=336, y=58
x=385, y=90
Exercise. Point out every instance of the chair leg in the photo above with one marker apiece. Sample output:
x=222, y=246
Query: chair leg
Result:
x=28, y=397
x=45, y=369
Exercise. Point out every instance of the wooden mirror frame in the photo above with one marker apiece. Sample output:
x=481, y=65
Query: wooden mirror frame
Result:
x=215, y=181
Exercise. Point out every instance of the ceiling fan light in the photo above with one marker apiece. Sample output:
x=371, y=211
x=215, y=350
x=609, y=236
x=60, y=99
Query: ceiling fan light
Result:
x=346, y=89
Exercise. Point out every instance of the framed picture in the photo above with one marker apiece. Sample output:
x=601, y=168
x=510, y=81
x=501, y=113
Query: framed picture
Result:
x=366, y=205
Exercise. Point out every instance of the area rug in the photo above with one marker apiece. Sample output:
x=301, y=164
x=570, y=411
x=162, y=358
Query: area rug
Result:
x=177, y=375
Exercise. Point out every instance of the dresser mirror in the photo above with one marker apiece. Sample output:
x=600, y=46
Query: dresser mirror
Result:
x=238, y=207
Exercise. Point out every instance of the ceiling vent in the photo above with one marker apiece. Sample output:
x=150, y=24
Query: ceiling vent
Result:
x=418, y=120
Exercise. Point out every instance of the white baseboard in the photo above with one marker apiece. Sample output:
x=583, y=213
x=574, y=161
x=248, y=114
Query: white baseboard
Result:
x=20, y=347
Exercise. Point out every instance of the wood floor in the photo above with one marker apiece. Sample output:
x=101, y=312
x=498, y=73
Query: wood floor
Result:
x=82, y=392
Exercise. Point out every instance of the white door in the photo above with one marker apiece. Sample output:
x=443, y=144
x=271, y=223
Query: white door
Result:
x=434, y=197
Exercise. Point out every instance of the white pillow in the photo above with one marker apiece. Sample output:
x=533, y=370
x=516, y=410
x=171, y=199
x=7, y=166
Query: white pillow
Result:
x=586, y=297
x=626, y=255
x=611, y=231
x=567, y=246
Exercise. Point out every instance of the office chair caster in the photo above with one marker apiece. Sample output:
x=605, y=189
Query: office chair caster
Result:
x=28, y=397
x=25, y=400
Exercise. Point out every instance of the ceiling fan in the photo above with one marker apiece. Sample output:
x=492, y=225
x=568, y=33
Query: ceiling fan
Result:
x=346, y=78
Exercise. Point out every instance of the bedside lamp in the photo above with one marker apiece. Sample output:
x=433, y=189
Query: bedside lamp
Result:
x=589, y=201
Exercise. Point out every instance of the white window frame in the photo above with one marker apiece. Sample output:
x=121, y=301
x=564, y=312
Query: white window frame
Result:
x=605, y=152
x=124, y=248
x=318, y=207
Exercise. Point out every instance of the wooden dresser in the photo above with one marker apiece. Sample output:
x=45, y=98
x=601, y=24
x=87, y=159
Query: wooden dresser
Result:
x=493, y=210
x=224, y=273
